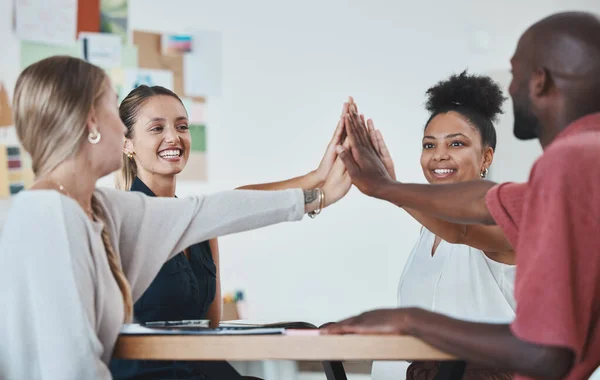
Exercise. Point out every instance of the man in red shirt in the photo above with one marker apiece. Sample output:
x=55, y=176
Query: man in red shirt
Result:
x=552, y=221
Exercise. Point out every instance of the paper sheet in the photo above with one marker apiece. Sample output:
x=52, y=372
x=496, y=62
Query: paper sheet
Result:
x=32, y=52
x=202, y=68
x=101, y=49
x=198, y=135
x=47, y=21
x=176, y=44
x=113, y=17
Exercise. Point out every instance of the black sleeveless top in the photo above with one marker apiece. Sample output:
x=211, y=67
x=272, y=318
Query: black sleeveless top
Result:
x=183, y=289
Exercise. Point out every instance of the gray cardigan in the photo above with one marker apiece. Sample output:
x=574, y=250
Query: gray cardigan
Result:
x=61, y=307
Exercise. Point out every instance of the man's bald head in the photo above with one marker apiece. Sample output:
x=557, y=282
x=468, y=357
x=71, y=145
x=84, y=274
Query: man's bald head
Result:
x=556, y=73
x=567, y=44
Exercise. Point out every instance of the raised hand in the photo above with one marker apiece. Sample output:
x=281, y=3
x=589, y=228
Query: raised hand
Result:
x=330, y=155
x=337, y=184
x=376, y=140
x=381, y=148
x=360, y=156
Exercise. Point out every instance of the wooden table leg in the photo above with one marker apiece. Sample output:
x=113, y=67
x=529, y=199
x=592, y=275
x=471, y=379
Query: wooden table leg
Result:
x=334, y=371
x=451, y=370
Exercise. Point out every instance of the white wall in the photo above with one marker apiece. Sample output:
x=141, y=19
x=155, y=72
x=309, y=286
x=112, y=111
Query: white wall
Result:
x=288, y=66
x=287, y=69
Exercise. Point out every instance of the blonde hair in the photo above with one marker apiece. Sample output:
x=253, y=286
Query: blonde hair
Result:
x=52, y=102
x=128, y=111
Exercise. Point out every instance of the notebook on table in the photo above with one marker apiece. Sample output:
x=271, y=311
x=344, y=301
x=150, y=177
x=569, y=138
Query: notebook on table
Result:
x=202, y=327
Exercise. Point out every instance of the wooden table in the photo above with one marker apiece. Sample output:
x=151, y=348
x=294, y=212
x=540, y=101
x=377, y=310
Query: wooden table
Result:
x=330, y=349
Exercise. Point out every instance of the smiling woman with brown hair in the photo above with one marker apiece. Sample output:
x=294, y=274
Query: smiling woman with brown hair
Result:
x=188, y=287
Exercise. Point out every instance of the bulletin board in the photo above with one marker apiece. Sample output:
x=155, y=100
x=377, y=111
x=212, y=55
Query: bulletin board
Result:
x=99, y=32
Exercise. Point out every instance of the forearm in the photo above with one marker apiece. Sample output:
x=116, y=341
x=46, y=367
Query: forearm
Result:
x=450, y=232
x=307, y=181
x=490, y=239
x=490, y=345
x=458, y=203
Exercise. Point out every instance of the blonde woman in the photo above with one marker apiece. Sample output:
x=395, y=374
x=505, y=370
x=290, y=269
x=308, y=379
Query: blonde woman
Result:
x=157, y=147
x=74, y=258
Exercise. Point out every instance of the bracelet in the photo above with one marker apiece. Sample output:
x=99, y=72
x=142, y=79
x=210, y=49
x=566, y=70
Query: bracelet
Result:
x=316, y=212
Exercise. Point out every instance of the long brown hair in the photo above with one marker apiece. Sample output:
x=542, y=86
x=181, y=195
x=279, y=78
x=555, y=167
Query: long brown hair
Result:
x=128, y=110
x=52, y=102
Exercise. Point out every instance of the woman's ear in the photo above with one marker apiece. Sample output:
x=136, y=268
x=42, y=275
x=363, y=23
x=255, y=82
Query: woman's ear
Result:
x=488, y=157
x=128, y=147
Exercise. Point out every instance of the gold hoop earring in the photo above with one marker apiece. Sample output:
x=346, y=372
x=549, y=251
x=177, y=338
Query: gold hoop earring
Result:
x=94, y=139
x=484, y=173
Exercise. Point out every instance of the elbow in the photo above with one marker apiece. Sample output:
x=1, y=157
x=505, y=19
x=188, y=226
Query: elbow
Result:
x=548, y=363
x=483, y=213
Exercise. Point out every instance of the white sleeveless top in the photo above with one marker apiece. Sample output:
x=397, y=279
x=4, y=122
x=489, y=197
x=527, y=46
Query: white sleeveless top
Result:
x=458, y=281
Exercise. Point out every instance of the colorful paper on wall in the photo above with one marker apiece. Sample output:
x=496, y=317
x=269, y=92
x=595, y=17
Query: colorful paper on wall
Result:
x=113, y=17
x=198, y=135
x=47, y=21
x=88, y=16
x=176, y=44
x=15, y=172
x=5, y=108
x=32, y=52
x=101, y=49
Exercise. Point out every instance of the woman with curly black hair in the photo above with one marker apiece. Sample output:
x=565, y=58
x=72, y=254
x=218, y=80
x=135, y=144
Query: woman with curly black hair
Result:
x=463, y=271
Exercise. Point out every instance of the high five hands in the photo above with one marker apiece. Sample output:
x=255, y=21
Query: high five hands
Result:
x=356, y=154
x=364, y=153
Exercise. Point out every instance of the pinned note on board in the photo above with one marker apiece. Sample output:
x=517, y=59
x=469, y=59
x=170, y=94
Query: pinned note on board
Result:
x=15, y=170
x=46, y=21
x=6, y=118
x=101, y=49
x=176, y=44
x=202, y=68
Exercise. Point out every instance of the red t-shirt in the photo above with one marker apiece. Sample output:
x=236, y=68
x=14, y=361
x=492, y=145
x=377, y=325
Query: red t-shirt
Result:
x=553, y=221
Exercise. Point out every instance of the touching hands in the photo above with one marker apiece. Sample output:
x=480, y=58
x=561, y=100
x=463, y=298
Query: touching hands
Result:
x=381, y=148
x=364, y=153
x=330, y=155
x=337, y=184
x=358, y=145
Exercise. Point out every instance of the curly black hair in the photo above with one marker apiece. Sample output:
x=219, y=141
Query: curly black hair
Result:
x=478, y=98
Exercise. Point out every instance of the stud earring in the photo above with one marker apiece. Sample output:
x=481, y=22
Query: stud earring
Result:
x=130, y=155
x=94, y=139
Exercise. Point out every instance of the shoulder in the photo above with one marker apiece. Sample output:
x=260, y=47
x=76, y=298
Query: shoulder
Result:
x=572, y=156
x=40, y=220
x=43, y=207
